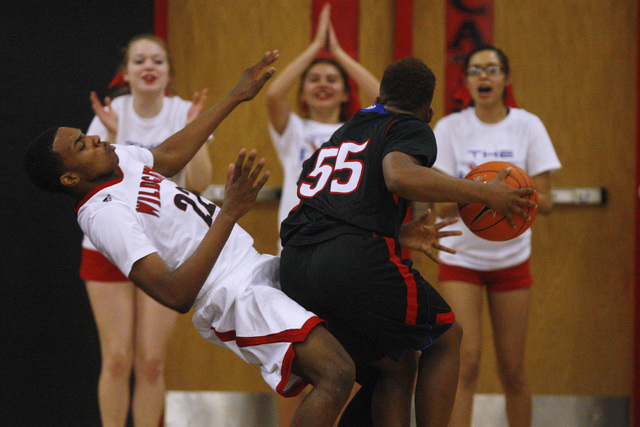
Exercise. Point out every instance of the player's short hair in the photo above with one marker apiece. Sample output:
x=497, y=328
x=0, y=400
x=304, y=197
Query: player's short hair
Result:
x=44, y=167
x=407, y=84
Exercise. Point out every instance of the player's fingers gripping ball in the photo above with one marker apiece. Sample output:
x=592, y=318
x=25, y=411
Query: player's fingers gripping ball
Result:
x=484, y=222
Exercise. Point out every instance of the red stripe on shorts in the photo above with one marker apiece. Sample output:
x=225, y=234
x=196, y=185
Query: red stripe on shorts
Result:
x=285, y=373
x=289, y=335
x=409, y=280
x=445, y=318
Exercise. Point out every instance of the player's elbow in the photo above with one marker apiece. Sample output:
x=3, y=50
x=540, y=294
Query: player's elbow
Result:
x=397, y=169
x=395, y=183
x=180, y=303
x=183, y=309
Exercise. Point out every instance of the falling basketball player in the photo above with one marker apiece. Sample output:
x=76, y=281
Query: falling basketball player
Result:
x=186, y=252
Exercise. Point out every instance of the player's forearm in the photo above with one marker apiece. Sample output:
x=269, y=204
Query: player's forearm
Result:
x=188, y=279
x=176, y=151
x=429, y=186
x=409, y=180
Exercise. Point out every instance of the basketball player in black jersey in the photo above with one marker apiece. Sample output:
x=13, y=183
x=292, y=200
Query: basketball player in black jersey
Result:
x=342, y=245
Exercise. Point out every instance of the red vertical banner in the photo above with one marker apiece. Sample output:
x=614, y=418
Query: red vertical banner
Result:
x=160, y=18
x=635, y=398
x=345, y=19
x=403, y=40
x=469, y=24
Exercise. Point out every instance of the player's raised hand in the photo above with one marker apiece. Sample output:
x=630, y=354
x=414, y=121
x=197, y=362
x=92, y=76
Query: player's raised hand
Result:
x=243, y=184
x=251, y=81
x=417, y=235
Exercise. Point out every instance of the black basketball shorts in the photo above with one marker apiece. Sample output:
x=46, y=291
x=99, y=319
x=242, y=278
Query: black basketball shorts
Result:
x=375, y=303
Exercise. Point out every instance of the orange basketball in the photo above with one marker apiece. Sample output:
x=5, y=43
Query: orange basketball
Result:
x=481, y=220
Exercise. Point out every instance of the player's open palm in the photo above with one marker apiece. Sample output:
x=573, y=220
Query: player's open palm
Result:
x=417, y=235
x=243, y=184
x=251, y=81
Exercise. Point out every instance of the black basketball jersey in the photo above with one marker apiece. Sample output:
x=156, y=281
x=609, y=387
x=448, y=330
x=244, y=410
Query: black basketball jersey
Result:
x=342, y=187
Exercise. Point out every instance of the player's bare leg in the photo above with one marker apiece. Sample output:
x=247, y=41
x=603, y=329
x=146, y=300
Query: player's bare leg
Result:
x=391, y=402
x=438, y=379
x=327, y=366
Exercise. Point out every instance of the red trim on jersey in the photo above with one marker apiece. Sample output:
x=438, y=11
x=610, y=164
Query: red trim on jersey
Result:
x=409, y=280
x=98, y=188
x=389, y=127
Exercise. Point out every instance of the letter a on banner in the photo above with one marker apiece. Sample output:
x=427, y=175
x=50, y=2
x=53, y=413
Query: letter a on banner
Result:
x=469, y=24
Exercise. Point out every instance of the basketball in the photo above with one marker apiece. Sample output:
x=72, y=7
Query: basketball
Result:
x=487, y=224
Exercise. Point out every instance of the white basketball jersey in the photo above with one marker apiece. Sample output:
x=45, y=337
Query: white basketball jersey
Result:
x=240, y=306
x=130, y=218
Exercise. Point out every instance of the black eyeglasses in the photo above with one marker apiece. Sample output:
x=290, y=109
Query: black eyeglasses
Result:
x=490, y=70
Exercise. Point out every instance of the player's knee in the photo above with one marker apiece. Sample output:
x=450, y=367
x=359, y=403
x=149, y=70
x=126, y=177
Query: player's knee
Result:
x=450, y=341
x=341, y=375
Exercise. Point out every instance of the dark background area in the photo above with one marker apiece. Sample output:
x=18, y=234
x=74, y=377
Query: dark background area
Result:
x=52, y=54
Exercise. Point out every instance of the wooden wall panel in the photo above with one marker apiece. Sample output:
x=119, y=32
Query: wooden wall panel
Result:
x=212, y=42
x=573, y=65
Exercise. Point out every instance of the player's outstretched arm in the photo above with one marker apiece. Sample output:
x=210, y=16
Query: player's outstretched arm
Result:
x=405, y=177
x=176, y=151
x=178, y=289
